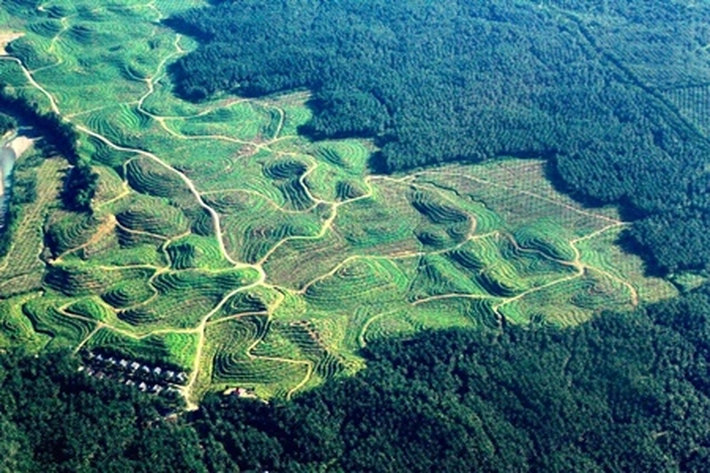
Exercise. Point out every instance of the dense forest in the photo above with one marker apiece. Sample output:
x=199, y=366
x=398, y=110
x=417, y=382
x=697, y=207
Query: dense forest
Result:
x=581, y=83
x=623, y=392
x=54, y=419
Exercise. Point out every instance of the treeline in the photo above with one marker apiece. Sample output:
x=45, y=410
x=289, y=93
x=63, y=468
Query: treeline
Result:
x=7, y=123
x=624, y=392
x=55, y=419
x=58, y=137
x=469, y=80
x=80, y=186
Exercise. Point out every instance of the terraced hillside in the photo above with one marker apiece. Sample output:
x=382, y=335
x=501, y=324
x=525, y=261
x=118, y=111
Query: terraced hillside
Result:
x=224, y=243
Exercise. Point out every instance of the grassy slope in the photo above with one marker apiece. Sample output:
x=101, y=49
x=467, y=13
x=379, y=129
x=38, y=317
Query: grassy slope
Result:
x=223, y=242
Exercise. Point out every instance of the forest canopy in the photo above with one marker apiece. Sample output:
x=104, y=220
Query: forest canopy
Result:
x=7, y=123
x=588, y=85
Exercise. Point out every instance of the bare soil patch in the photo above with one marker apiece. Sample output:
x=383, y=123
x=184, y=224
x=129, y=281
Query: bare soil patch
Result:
x=6, y=37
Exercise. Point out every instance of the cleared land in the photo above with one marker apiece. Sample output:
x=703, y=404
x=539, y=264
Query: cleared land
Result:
x=224, y=243
x=6, y=38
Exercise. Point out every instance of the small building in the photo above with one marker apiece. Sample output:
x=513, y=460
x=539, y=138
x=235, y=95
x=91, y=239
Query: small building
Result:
x=135, y=365
x=245, y=393
x=143, y=387
x=123, y=363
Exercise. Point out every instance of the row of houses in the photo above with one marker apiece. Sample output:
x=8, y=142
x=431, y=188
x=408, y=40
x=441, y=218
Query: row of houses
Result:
x=146, y=387
x=158, y=380
x=241, y=392
x=133, y=369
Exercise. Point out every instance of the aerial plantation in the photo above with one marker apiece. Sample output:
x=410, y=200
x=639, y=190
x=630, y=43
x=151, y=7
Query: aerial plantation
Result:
x=614, y=97
x=223, y=242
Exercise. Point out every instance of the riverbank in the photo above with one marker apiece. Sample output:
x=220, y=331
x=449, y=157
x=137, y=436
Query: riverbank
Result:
x=12, y=146
x=19, y=145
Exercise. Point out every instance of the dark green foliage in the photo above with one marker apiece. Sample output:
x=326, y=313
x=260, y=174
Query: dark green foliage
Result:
x=458, y=80
x=80, y=186
x=58, y=136
x=346, y=113
x=7, y=123
x=10, y=222
x=55, y=419
x=678, y=239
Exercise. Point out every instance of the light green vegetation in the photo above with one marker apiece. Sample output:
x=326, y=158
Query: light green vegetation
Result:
x=223, y=242
x=21, y=270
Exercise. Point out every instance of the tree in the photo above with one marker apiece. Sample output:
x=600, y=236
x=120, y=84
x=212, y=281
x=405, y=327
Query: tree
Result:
x=80, y=186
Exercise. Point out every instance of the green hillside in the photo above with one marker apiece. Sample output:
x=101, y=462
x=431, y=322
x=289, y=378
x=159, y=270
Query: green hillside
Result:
x=222, y=242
